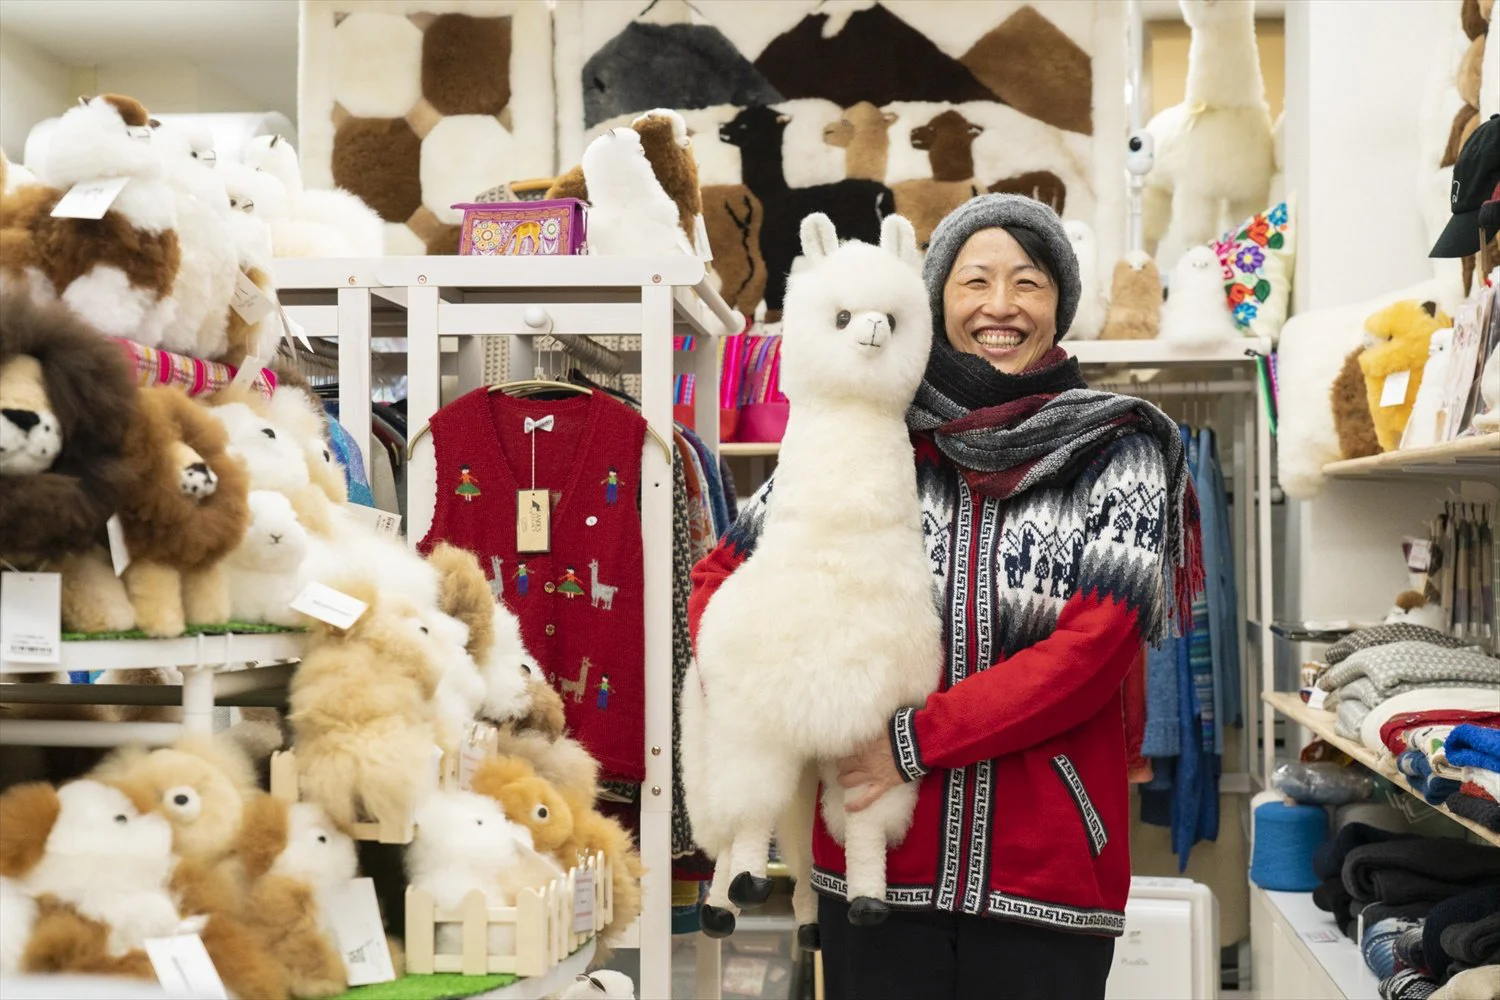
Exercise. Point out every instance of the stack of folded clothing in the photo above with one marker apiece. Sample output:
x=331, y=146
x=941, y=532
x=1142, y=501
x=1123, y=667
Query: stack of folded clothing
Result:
x=1332, y=895
x=1473, y=750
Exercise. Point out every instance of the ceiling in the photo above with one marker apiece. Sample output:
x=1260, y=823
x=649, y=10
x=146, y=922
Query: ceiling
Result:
x=249, y=44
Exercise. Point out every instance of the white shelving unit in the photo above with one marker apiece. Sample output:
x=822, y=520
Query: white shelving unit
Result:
x=1300, y=951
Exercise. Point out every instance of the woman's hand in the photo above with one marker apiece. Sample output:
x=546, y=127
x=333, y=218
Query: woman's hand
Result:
x=872, y=766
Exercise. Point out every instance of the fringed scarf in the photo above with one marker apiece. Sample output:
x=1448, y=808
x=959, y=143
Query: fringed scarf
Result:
x=1013, y=433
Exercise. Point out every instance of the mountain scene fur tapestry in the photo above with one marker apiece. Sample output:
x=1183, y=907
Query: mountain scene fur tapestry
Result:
x=854, y=108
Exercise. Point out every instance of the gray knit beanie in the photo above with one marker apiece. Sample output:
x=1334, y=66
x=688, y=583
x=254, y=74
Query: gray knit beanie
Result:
x=1008, y=211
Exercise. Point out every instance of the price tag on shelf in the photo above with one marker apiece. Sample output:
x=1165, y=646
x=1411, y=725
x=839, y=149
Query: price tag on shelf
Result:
x=184, y=968
x=583, y=902
x=89, y=199
x=1393, y=390
x=119, y=553
x=382, y=522
x=355, y=916
x=328, y=605
x=1316, y=697
x=31, y=617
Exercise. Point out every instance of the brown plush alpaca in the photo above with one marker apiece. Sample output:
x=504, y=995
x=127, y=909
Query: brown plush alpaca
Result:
x=948, y=141
x=1351, y=410
x=185, y=511
x=64, y=940
x=733, y=216
x=464, y=593
x=1134, y=300
x=863, y=133
x=1040, y=185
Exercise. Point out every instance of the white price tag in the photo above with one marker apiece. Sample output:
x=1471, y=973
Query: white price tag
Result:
x=119, y=554
x=291, y=328
x=355, y=916
x=249, y=372
x=1420, y=556
x=31, y=617
x=1317, y=697
x=183, y=967
x=583, y=903
x=89, y=199
x=249, y=301
x=1393, y=390
x=382, y=522
x=328, y=605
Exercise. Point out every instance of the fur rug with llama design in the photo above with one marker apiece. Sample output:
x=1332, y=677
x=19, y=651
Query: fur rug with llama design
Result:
x=842, y=572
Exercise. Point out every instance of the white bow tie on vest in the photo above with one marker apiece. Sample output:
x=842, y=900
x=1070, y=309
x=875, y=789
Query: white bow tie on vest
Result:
x=545, y=423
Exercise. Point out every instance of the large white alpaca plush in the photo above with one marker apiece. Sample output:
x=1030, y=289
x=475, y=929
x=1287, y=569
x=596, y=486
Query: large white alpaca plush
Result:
x=630, y=215
x=1196, y=311
x=1214, y=150
x=266, y=571
x=343, y=214
x=840, y=575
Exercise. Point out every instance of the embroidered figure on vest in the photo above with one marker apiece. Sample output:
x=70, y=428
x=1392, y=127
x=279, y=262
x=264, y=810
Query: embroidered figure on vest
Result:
x=603, y=701
x=577, y=687
x=467, y=487
x=523, y=583
x=611, y=485
x=600, y=593
x=497, y=577
x=570, y=586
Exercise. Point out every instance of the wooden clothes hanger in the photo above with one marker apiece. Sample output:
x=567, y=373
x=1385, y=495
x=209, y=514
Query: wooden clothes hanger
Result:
x=531, y=386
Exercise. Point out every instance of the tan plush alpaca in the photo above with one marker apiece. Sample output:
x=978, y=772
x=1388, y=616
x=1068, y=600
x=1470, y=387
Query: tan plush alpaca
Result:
x=1134, y=300
x=863, y=133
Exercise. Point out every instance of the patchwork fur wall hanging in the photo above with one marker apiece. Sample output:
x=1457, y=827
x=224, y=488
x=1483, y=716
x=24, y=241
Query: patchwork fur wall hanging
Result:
x=856, y=108
x=415, y=105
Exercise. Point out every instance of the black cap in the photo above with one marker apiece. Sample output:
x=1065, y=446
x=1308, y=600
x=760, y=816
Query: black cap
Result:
x=1474, y=178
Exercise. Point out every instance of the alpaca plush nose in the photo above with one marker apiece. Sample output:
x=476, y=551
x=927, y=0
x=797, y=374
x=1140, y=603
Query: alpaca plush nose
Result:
x=871, y=329
x=275, y=539
x=24, y=419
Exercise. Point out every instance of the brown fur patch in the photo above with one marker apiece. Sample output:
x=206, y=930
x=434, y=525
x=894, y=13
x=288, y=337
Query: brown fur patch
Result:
x=464, y=593
x=733, y=217
x=948, y=141
x=133, y=112
x=424, y=222
x=1040, y=185
x=1030, y=64
x=244, y=962
x=570, y=185
x=423, y=118
x=263, y=834
x=162, y=524
x=530, y=801
x=380, y=159
x=445, y=241
x=27, y=814
x=285, y=913
x=1458, y=133
x=1409, y=599
x=64, y=940
x=1351, y=411
x=675, y=168
x=1470, y=72
x=91, y=392
x=924, y=203
x=561, y=760
x=1475, y=24
x=1134, y=303
x=547, y=714
x=863, y=132
x=242, y=336
x=466, y=64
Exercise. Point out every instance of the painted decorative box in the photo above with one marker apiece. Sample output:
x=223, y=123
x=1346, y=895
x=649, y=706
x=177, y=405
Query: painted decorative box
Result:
x=524, y=228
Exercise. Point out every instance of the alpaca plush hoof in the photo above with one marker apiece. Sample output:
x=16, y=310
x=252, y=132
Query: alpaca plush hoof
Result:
x=809, y=938
x=749, y=890
x=867, y=911
x=717, y=922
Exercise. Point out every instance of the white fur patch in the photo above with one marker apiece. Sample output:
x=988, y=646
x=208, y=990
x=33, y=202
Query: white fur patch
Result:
x=105, y=298
x=26, y=447
x=197, y=480
x=377, y=65
x=462, y=156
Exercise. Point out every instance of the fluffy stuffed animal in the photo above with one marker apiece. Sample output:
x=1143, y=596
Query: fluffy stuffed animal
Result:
x=343, y=214
x=362, y=709
x=1196, y=311
x=464, y=843
x=185, y=511
x=1426, y=423
x=1489, y=391
x=1215, y=148
x=1413, y=608
x=265, y=571
x=601, y=984
x=1403, y=333
x=17, y=916
x=1351, y=410
x=87, y=845
x=294, y=856
x=66, y=401
x=1093, y=303
x=250, y=235
x=629, y=212
x=116, y=273
x=1134, y=299
x=756, y=731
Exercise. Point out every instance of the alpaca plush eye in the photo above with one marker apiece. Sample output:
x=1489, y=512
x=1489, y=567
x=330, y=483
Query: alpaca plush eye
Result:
x=479, y=822
x=526, y=667
x=322, y=838
x=541, y=812
x=268, y=433
x=423, y=628
x=327, y=457
x=122, y=819
x=891, y=319
x=843, y=319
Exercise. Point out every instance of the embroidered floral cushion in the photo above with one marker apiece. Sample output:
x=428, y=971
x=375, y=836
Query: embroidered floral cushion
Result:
x=1258, y=257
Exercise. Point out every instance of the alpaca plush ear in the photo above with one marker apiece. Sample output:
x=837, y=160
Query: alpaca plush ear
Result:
x=897, y=237
x=819, y=238
x=27, y=814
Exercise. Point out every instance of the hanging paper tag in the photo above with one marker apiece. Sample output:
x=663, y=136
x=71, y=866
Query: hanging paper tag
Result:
x=31, y=617
x=249, y=301
x=1420, y=555
x=700, y=239
x=470, y=756
x=249, y=372
x=329, y=605
x=382, y=522
x=292, y=329
x=89, y=199
x=355, y=916
x=183, y=967
x=119, y=554
x=583, y=902
x=533, y=521
x=1393, y=391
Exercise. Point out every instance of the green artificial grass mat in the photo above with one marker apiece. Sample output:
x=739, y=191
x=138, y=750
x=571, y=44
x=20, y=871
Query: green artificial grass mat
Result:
x=236, y=628
x=436, y=987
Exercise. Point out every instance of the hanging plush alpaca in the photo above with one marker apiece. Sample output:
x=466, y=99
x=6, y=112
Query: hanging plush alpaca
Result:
x=1215, y=147
x=842, y=571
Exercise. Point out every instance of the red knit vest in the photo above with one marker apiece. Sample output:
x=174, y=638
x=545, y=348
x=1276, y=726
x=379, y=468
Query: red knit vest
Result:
x=580, y=605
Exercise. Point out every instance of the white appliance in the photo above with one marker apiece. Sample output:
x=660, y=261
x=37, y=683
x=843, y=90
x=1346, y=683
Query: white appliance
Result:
x=1170, y=949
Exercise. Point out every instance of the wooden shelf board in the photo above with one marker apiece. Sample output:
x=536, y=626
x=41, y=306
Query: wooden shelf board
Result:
x=1478, y=456
x=750, y=449
x=1323, y=723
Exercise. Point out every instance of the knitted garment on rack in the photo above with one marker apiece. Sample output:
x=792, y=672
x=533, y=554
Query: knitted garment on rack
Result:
x=1474, y=746
x=1379, y=635
x=1413, y=662
x=1484, y=811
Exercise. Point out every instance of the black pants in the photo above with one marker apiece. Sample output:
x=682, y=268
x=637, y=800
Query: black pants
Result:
x=931, y=955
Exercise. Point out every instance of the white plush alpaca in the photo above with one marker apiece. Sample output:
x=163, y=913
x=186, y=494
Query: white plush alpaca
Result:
x=274, y=460
x=210, y=263
x=17, y=915
x=840, y=568
x=1196, y=311
x=335, y=209
x=629, y=213
x=507, y=669
x=1093, y=299
x=265, y=571
x=1215, y=147
x=1489, y=391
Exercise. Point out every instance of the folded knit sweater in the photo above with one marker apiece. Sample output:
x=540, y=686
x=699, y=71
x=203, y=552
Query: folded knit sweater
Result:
x=1409, y=871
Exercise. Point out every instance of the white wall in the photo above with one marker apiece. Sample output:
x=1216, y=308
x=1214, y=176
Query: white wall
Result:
x=173, y=87
x=34, y=85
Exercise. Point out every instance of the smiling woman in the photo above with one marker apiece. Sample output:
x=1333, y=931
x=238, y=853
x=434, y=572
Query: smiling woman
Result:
x=1000, y=300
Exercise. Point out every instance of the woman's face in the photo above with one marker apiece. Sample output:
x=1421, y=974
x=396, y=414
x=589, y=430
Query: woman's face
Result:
x=998, y=304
